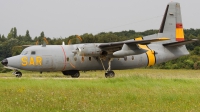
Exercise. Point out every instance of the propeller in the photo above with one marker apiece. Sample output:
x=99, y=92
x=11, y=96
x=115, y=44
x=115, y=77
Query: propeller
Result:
x=36, y=43
x=45, y=42
x=78, y=40
x=69, y=42
x=77, y=51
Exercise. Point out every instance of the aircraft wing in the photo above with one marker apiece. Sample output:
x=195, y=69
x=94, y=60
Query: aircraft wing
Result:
x=115, y=46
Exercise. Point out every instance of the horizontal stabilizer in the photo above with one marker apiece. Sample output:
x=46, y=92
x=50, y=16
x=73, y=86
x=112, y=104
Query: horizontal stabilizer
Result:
x=180, y=43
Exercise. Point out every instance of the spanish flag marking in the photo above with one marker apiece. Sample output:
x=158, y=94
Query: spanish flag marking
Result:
x=179, y=32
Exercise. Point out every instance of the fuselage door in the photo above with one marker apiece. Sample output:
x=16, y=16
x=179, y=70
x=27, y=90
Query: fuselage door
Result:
x=47, y=63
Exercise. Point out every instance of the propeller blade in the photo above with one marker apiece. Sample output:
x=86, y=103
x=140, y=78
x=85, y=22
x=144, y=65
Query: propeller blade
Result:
x=46, y=41
x=77, y=36
x=69, y=42
x=36, y=43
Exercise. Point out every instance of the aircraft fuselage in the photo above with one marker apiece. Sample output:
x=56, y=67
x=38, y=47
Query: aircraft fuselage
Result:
x=61, y=58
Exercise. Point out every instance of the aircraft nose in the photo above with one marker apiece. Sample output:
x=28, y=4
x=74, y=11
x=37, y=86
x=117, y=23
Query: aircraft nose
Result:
x=4, y=62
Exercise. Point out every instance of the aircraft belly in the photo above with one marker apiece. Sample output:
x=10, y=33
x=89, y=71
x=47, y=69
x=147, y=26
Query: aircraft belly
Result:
x=134, y=61
x=116, y=64
x=89, y=63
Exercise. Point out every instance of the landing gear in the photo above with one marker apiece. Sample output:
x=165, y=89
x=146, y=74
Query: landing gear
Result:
x=72, y=73
x=76, y=75
x=18, y=74
x=109, y=73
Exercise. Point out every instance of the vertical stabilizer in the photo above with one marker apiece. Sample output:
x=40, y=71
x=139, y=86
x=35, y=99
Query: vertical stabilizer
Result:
x=171, y=25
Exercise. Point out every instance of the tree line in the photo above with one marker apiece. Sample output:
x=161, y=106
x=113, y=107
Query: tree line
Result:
x=11, y=44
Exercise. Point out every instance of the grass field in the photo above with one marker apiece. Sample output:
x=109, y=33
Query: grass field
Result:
x=131, y=90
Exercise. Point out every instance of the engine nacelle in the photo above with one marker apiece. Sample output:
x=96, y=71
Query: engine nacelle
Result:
x=123, y=53
x=90, y=50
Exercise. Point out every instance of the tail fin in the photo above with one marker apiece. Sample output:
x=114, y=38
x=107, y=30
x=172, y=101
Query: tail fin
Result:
x=171, y=25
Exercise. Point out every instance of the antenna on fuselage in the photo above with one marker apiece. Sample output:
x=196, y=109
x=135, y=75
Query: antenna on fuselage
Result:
x=63, y=43
x=45, y=42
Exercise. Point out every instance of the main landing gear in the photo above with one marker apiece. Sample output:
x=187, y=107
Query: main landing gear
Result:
x=72, y=73
x=18, y=74
x=109, y=73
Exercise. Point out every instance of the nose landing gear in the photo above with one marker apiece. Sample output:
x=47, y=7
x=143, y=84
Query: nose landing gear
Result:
x=18, y=74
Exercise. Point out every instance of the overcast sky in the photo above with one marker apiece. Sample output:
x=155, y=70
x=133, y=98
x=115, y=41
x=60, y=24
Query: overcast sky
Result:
x=62, y=18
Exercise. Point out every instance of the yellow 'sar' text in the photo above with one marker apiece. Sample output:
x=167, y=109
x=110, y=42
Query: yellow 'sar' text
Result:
x=32, y=61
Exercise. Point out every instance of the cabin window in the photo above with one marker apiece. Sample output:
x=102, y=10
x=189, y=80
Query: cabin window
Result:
x=24, y=53
x=33, y=52
x=90, y=58
x=132, y=57
x=75, y=58
x=125, y=58
x=82, y=59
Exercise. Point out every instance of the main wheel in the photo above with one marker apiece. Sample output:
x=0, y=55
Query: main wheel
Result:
x=18, y=74
x=75, y=75
x=109, y=74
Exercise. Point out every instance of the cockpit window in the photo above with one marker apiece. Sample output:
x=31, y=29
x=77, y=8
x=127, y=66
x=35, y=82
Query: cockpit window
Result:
x=33, y=52
x=24, y=53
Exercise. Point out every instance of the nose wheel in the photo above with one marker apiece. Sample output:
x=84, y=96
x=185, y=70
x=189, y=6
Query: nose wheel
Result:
x=18, y=74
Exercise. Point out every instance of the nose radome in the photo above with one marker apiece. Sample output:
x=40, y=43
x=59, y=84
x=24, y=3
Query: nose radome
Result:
x=4, y=62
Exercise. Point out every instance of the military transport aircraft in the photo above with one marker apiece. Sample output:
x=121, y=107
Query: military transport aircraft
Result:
x=145, y=51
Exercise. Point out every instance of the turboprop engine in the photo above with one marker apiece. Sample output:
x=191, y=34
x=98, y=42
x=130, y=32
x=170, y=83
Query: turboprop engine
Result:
x=123, y=53
x=128, y=50
x=89, y=50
